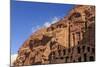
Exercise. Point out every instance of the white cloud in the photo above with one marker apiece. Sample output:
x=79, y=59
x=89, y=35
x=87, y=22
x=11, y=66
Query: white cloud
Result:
x=54, y=20
x=35, y=28
x=47, y=24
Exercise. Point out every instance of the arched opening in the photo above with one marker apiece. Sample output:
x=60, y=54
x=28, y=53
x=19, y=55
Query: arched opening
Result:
x=77, y=14
x=74, y=15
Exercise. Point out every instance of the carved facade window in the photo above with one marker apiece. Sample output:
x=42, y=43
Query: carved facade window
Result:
x=78, y=35
x=83, y=48
x=93, y=50
x=69, y=50
x=61, y=57
x=64, y=52
x=50, y=29
x=52, y=56
x=79, y=59
x=60, y=26
x=59, y=51
x=85, y=57
x=73, y=39
x=78, y=49
x=91, y=58
x=66, y=59
x=88, y=49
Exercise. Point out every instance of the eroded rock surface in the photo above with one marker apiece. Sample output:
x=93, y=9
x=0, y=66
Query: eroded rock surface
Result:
x=71, y=39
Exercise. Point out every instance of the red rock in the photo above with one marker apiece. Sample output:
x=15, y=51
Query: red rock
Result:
x=72, y=39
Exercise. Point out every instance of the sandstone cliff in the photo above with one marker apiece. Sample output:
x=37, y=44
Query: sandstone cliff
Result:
x=59, y=42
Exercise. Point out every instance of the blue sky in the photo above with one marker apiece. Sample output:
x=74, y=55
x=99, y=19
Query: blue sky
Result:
x=27, y=17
